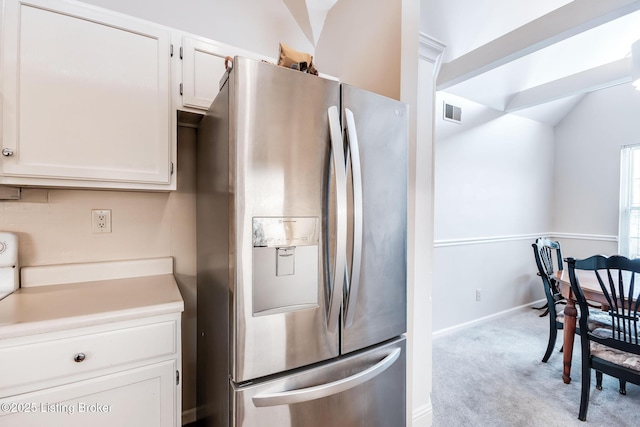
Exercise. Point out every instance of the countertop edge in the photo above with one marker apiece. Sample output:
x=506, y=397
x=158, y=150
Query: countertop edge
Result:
x=76, y=322
x=56, y=308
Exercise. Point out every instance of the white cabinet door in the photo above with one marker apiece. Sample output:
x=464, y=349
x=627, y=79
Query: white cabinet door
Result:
x=203, y=67
x=86, y=96
x=142, y=397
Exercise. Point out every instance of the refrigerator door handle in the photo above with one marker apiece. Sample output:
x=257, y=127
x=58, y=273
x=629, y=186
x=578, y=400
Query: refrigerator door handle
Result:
x=337, y=150
x=329, y=389
x=354, y=154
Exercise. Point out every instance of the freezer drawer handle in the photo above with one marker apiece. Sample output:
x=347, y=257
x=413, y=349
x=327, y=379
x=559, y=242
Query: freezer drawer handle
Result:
x=324, y=390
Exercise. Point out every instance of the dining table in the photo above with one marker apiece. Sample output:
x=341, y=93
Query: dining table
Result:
x=592, y=292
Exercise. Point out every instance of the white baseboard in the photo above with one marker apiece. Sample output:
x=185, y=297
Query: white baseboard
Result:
x=422, y=416
x=474, y=322
x=189, y=416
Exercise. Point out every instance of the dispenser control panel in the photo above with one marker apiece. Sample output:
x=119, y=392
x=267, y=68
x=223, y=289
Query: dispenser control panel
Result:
x=287, y=231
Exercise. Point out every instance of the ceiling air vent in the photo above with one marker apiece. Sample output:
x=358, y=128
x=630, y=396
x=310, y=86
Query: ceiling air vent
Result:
x=452, y=113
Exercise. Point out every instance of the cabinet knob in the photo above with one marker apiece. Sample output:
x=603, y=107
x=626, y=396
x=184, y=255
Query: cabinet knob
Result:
x=7, y=152
x=79, y=357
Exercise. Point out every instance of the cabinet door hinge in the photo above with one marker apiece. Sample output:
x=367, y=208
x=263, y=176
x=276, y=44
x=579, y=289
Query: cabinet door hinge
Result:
x=177, y=377
x=180, y=52
x=171, y=168
x=180, y=88
x=171, y=50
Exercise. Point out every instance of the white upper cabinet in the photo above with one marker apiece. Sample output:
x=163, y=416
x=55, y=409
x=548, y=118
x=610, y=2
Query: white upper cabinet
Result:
x=86, y=98
x=203, y=67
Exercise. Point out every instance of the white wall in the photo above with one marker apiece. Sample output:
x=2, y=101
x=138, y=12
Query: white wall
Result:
x=361, y=45
x=493, y=188
x=493, y=171
x=496, y=177
x=588, y=143
x=257, y=26
x=587, y=170
x=54, y=225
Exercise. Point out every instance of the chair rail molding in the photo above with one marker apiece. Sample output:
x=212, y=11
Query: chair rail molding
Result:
x=580, y=236
x=486, y=240
x=441, y=243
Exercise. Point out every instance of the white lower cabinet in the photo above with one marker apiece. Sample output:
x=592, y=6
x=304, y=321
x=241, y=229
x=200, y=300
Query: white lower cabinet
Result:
x=137, y=398
x=116, y=374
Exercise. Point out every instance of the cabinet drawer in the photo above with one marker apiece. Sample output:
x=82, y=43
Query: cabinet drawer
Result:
x=53, y=358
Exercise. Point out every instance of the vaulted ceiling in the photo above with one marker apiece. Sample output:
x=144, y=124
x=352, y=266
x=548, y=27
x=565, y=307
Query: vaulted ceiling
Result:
x=536, y=59
x=310, y=15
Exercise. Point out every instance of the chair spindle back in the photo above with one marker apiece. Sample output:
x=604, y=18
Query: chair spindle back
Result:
x=617, y=278
x=544, y=250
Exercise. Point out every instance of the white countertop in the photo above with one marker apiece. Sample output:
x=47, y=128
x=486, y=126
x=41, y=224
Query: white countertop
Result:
x=38, y=309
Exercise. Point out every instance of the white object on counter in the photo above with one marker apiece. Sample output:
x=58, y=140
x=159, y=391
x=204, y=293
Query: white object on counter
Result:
x=9, y=268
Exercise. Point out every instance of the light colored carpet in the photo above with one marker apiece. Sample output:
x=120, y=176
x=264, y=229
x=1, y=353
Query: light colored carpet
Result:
x=491, y=374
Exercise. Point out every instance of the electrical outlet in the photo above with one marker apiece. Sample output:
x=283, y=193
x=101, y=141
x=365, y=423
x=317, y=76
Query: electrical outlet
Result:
x=478, y=294
x=101, y=220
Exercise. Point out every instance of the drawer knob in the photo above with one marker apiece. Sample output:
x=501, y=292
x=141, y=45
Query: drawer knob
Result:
x=7, y=152
x=79, y=357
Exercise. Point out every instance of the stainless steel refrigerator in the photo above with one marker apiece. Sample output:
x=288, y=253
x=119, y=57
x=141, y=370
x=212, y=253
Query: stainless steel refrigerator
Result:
x=301, y=223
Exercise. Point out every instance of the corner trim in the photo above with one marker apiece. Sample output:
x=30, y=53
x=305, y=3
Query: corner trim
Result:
x=430, y=50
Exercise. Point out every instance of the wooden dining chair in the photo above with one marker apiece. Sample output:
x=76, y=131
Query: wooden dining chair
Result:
x=548, y=255
x=613, y=351
x=545, y=251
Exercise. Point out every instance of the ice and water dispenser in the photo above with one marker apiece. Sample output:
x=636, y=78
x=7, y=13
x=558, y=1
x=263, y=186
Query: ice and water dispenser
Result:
x=9, y=268
x=285, y=264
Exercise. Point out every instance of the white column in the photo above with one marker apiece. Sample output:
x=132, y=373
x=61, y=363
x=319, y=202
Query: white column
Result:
x=420, y=234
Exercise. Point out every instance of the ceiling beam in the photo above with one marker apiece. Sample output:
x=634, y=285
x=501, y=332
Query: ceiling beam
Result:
x=571, y=19
x=614, y=73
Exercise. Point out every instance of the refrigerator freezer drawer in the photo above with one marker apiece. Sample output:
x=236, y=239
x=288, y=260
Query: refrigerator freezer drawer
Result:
x=365, y=389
